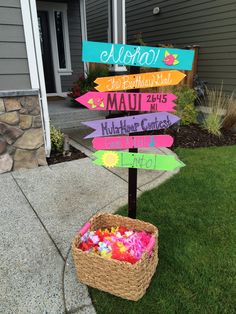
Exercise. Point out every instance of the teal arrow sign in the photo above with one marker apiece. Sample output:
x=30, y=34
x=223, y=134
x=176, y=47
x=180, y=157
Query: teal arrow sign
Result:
x=136, y=160
x=153, y=57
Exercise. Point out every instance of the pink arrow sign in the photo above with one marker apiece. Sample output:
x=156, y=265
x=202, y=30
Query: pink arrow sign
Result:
x=124, y=142
x=128, y=101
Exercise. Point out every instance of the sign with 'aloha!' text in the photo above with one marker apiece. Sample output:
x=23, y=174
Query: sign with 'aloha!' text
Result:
x=137, y=160
x=128, y=101
x=139, y=141
x=143, y=56
x=131, y=124
x=136, y=81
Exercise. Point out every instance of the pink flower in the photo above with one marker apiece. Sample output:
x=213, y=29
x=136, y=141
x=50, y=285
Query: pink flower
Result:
x=170, y=59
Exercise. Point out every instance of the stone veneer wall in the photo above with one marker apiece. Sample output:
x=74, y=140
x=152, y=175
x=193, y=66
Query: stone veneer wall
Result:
x=21, y=134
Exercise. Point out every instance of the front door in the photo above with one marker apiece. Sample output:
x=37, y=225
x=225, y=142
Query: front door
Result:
x=44, y=33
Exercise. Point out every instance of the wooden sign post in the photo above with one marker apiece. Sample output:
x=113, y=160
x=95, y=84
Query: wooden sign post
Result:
x=114, y=133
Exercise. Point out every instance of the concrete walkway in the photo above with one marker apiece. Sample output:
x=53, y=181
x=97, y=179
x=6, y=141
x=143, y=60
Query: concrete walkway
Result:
x=40, y=211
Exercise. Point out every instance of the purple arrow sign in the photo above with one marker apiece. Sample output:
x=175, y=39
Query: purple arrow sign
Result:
x=131, y=124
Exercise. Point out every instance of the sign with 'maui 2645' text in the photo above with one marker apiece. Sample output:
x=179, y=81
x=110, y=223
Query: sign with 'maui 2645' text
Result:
x=128, y=101
x=131, y=124
x=136, y=160
x=144, y=56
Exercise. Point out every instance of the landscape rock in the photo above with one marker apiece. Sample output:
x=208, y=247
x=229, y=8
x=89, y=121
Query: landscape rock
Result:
x=25, y=121
x=3, y=145
x=3, y=128
x=6, y=163
x=31, y=139
x=40, y=156
x=11, y=118
x=12, y=104
x=12, y=134
x=37, y=122
x=2, y=107
x=30, y=105
x=24, y=159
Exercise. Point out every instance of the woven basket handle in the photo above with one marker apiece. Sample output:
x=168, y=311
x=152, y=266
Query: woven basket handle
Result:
x=150, y=245
x=85, y=228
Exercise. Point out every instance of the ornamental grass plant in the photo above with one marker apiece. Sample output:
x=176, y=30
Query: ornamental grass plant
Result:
x=221, y=110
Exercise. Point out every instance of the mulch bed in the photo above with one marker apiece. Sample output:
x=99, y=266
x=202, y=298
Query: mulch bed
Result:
x=193, y=136
x=56, y=158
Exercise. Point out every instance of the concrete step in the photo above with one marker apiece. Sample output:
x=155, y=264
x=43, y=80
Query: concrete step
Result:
x=64, y=116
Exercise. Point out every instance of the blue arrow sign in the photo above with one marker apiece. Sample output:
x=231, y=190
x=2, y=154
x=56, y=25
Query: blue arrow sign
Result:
x=167, y=58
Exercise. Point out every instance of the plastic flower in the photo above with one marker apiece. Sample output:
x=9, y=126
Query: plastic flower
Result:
x=170, y=59
x=110, y=159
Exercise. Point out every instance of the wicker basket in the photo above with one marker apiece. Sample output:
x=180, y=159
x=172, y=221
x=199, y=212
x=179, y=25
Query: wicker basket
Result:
x=128, y=281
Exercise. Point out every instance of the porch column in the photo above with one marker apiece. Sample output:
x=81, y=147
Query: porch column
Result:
x=116, y=28
x=84, y=32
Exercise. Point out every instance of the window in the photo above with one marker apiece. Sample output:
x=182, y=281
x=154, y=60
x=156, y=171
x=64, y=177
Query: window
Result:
x=58, y=15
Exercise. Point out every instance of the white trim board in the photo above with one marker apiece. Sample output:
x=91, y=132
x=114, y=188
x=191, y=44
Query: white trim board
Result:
x=31, y=30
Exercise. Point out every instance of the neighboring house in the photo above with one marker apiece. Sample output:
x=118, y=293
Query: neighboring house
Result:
x=40, y=55
x=209, y=24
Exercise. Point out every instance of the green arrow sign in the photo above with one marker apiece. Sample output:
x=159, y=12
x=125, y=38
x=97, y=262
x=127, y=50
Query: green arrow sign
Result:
x=136, y=160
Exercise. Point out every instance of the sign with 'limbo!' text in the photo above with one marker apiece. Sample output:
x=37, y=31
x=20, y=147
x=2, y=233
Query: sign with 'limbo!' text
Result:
x=137, y=160
x=143, y=56
x=131, y=124
x=136, y=81
x=128, y=101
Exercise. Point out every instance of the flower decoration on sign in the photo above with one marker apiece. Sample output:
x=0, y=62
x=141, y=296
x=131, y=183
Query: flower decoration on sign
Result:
x=110, y=159
x=96, y=102
x=170, y=59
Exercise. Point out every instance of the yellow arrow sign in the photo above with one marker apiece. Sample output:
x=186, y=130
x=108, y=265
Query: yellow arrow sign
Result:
x=135, y=81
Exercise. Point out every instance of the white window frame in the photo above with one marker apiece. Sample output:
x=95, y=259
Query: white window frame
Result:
x=51, y=7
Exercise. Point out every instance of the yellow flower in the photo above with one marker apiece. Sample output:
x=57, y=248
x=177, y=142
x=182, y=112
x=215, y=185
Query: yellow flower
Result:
x=110, y=159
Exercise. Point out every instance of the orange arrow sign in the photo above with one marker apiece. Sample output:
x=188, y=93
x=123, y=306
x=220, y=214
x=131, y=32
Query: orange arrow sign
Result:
x=135, y=81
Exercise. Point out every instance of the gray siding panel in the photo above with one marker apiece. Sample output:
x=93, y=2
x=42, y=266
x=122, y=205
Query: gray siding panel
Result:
x=14, y=18
x=10, y=82
x=13, y=50
x=210, y=24
x=14, y=70
x=10, y=3
x=97, y=20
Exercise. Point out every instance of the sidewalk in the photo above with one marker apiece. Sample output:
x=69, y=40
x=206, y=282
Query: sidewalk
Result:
x=40, y=212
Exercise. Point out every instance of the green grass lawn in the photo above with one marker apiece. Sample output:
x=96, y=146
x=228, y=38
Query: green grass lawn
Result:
x=195, y=212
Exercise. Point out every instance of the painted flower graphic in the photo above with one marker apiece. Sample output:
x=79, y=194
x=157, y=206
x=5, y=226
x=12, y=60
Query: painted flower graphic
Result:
x=170, y=59
x=96, y=102
x=110, y=159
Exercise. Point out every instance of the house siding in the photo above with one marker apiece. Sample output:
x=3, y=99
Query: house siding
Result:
x=14, y=70
x=209, y=24
x=97, y=20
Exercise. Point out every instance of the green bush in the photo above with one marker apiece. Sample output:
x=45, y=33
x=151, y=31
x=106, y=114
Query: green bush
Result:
x=57, y=139
x=185, y=104
x=188, y=115
x=85, y=84
x=212, y=123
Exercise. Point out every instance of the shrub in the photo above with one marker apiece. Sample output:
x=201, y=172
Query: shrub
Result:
x=212, y=123
x=185, y=104
x=230, y=117
x=85, y=84
x=218, y=103
x=57, y=139
x=188, y=115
